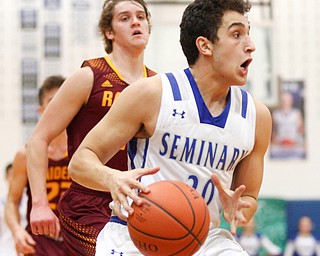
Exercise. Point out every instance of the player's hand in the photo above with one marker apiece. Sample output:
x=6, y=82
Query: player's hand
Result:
x=44, y=222
x=232, y=204
x=122, y=185
x=24, y=242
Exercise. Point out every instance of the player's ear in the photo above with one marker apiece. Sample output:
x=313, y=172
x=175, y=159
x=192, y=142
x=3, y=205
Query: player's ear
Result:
x=109, y=34
x=204, y=46
x=40, y=109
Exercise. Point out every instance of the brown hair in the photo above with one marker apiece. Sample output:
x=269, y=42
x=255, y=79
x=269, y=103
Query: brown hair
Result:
x=105, y=22
x=50, y=83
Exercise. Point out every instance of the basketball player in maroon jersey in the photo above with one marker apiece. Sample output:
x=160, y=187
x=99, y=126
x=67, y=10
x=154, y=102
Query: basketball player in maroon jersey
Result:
x=82, y=101
x=57, y=181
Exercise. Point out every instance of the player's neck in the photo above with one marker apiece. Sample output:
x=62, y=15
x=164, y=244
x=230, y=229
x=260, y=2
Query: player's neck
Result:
x=131, y=67
x=248, y=233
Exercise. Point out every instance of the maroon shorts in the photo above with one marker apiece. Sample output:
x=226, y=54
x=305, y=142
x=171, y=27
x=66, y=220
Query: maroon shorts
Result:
x=48, y=246
x=82, y=214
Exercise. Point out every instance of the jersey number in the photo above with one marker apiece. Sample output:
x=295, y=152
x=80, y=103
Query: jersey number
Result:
x=56, y=189
x=207, y=190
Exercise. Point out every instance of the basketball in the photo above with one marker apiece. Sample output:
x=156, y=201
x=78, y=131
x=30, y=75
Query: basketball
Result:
x=173, y=220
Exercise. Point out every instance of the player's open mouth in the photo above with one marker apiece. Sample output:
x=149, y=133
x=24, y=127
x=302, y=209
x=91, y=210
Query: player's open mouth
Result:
x=245, y=64
x=137, y=32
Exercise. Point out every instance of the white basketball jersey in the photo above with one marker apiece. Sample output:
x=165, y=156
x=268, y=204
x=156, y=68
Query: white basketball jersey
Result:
x=189, y=144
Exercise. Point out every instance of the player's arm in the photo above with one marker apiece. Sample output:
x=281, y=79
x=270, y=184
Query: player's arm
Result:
x=23, y=241
x=289, y=248
x=269, y=246
x=249, y=171
x=240, y=203
x=133, y=114
x=58, y=114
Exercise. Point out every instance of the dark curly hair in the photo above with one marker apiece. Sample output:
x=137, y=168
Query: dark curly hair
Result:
x=203, y=18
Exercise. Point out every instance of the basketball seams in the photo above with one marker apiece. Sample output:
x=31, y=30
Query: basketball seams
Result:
x=206, y=213
x=192, y=233
x=197, y=239
x=169, y=214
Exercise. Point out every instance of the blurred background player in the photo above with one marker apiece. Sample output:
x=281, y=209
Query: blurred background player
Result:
x=305, y=243
x=57, y=181
x=82, y=101
x=288, y=129
x=7, y=244
x=252, y=241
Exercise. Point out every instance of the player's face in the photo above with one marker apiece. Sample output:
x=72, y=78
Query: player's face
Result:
x=47, y=97
x=130, y=27
x=232, y=51
x=305, y=225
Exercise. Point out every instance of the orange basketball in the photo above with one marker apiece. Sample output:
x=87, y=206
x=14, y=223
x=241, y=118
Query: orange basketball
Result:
x=173, y=220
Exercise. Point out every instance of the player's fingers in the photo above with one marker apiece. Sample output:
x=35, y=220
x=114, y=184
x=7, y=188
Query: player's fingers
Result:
x=34, y=228
x=52, y=229
x=239, y=190
x=45, y=229
x=27, y=246
x=28, y=250
x=117, y=210
x=240, y=218
x=30, y=241
x=57, y=229
x=38, y=230
x=216, y=181
x=244, y=204
x=141, y=172
x=125, y=204
x=134, y=197
x=133, y=181
x=116, y=207
x=233, y=226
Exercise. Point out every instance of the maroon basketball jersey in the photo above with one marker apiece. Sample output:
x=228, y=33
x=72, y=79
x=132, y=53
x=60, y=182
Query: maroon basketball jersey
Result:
x=83, y=211
x=107, y=86
x=58, y=181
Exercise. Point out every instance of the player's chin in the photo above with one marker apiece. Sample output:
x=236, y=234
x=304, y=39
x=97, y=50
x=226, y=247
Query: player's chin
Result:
x=140, y=41
x=241, y=81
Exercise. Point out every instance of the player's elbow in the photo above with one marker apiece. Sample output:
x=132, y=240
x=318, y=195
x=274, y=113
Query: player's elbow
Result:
x=77, y=165
x=73, y=169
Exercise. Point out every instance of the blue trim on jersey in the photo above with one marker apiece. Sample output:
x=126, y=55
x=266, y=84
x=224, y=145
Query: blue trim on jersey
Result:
x=244, y=103
x=174, y=86
x=132, y=150
x=145, y=152
x=204, y=113
x=115, y=219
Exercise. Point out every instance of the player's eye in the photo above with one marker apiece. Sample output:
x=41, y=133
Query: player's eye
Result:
x=141, y=17
x=236, y=35
x=124, y=18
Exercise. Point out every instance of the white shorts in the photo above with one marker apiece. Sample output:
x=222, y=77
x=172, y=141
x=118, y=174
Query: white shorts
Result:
x=114, y=239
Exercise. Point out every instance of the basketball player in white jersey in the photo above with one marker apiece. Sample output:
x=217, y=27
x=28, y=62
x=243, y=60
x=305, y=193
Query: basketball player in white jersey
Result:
x=190, y=125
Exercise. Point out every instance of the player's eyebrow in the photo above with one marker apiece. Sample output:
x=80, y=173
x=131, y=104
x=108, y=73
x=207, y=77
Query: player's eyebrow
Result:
x=238, y=24
x=234, y=24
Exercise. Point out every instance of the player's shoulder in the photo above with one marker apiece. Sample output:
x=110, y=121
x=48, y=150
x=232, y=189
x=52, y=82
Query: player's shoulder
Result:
x=97, y=62
x=20, y=160
x=145, y=91
x=81, y=80
x=145, y=86
x=263, y=121
x=262, y=109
